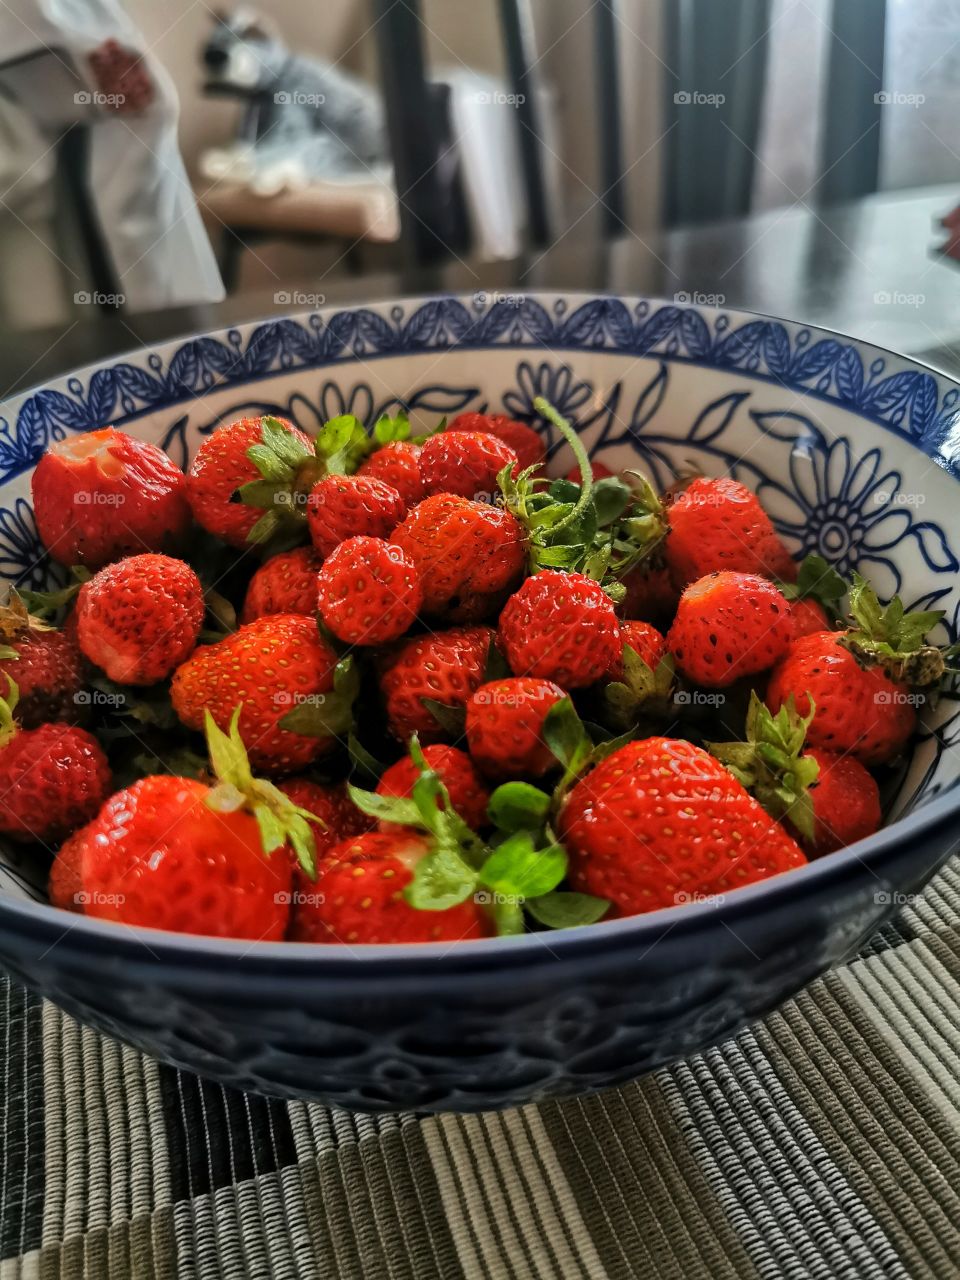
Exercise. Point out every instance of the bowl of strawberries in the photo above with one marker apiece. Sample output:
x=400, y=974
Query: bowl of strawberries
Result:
x=461, y=702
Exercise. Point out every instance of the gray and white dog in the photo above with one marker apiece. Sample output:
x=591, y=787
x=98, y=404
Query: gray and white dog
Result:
x=314, y=120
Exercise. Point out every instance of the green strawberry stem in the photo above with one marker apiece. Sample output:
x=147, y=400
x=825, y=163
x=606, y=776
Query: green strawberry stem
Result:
x=889, y=636
x=547, y=411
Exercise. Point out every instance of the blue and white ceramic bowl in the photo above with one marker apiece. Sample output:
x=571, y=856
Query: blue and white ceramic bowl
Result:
x=854, y=453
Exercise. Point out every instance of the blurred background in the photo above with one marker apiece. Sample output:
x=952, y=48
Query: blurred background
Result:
x=171, y=166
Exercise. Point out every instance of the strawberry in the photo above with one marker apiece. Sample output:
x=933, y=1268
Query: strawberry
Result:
x=174, y=853
x=562, y=627
x=52, y=778
x=397, y=464
x=828, y=800
x=505, y=726
x=224, y=465
x=719, y=524
x=468, y=554
x=335, y=818
x=815, y=596
x=466, y=463
x=729, y=625
x=468, y=795
x=445, y=668
x=140, y=618
x=650, y=594
x=46, y=665
x=808, y=617
x=523, y=440
x=645, y=641
x=286, y=583
x=65, y=888
x=276, y=667
x=661, y=822
x=369, y=591
x=103, y=495
x=859, y=710
x=341, y=507
x=359, y=897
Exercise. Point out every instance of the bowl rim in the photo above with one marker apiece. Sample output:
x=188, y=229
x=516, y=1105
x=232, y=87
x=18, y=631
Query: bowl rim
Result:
x=41, y=921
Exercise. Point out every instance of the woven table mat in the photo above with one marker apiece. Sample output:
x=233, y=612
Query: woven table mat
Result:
x=823, y=1141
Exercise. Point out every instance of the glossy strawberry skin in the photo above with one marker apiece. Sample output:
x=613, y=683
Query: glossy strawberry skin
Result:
x=271, y=666
x=158, y=855
x=466, y=463
x=808, y=618
x=468, y=794
x=651, y=595
x=219, y=469
x=103, y=495
x=359, y=898
x=341, y=507
x=562, y=627
x=523, y=440
x=286, y=583
x=505, y=727
x=860, y=711
x=338, y=817
x=53, y=779
x=729, y=625
x=646, y=642
x=369, y=591
x=660, y=822
x=65, y=887
x=49, y=677
x=446, y=666
x=468, y=554
x=140, y=618
x=397, y=464
x=719, y=524
x=846, y=803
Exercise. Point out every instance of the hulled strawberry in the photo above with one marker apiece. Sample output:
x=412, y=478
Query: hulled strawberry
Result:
x=53, y=778
x=468, y=794
x=45, y=664
x=443, y=668
x=729, y=625
x=505, y=720
x=224, y=464
x=720, y=525
x=529, y=447
x=468, y=554
x=369, y=591
x=103, y=495
x=466, y=463
x=286, y=583
x=341, y=507
x=661, y=822
x=398, y=465
x=645, y=641
x=562, y=627
x=280, y=669
x=174, y=853
x=140, y=618
x=359, y=897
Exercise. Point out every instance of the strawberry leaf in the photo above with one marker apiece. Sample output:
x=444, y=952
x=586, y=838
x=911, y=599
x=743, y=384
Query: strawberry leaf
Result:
x=888, y=636
x=517, y=806
x=326, y=715
x=562, y=910
x=342, y=443
x=441, y=879
x=365, y=764
x=518, y=869
x=403, y=810
x=452, y=720
x=386, y=430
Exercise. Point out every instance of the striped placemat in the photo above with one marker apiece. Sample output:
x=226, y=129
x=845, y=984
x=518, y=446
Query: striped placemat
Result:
x=823, y=1142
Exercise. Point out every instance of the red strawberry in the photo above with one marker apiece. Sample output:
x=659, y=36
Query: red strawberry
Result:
x=562, y=627
x=222, y=466
x=397, y=464
x=645, y=641
x=720, y=524
x=600, y=472
x=445, y=667
x=359, y=897
x=336, y=818
x=523, y=440
x=660, y=822
x=140, y=618
x=286, y=583
x=729, y=625
x=271, y=666
x=808, y=617
x=846, y=803
x=65, y=887
x=505, y=726
x=651, y=595
x=466, y=463
x=468, y=795
x=857, y=710
x=103, y=495
x=45, y=664
x=369, y=591
x=468, y=554
x=53, y=778
x=341, y=507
